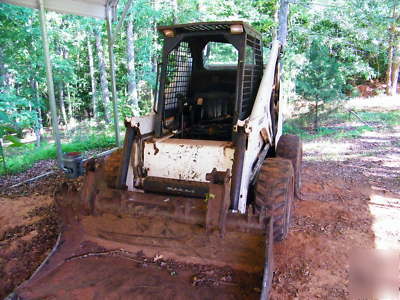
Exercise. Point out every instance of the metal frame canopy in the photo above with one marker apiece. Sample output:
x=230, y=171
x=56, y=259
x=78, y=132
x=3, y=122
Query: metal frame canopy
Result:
x=86, y=8
x=103, y=9
x=210, y=26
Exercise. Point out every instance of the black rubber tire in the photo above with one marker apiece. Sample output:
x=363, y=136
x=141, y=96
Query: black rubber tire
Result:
x=291, y=147
x=274, y=192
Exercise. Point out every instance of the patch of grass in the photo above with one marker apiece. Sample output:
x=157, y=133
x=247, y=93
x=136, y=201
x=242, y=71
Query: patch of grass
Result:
x=353, y=133
x=389, y=118
x=90, y=143
x=335, y=133
x=301, y=125
x=22, y=162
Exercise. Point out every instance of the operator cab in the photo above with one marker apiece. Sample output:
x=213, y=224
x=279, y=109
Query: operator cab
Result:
x=209, y=78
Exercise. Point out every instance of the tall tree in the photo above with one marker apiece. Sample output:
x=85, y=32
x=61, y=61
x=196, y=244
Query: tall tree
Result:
x=2, y=70
x=321, y=79
x=70, y=112
x=132, y=86
x=92, y=78
x=61, y=86
x=283, y=21
x=37, y=127
x=395, y=65
x=174, y=5
x=103, y=77
x=391, y=52
x=62, y=102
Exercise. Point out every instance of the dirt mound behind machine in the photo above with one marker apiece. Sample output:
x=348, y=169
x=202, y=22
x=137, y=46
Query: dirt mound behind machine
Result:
x=192, y=203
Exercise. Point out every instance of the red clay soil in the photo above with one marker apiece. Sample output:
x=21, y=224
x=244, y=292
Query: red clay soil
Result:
x=372, y=88
x=160, y=258
x=143, y=278
x=28, y=231
x=334, y=220
x=350, y=203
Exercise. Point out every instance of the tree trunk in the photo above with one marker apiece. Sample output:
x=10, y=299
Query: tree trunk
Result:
x=70, y=113
x=103, y=78
x=6, y=78
x=201, y=8
x=132, y=87
x=62, y=104
x=38, y=123
x=153, y=52
x=92, y=79
x=62, y=52
x=174, y=4
x=283, y=21
x=391, y=49
x=389, y=68
x=395, y=68
x=2, y=71
x=316, y=125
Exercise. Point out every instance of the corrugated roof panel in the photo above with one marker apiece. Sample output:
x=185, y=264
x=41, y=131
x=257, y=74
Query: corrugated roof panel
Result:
x=87, y=8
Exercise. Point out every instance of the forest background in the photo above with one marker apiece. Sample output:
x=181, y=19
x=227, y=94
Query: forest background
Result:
x=335, y=50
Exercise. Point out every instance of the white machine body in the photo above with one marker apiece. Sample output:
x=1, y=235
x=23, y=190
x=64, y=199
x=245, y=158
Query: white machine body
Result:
x=191, y=160
x=186, y=159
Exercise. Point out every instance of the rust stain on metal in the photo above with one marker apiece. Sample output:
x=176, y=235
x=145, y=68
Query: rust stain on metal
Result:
x=156, y=150
x=264, y=134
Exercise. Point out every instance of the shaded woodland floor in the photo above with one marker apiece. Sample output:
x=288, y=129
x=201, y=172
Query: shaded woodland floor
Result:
x=351, y=191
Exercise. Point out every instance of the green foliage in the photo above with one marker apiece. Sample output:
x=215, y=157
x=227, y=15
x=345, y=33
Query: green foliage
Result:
x=16, y=112
x=332, y=44
x=15, y=142
x=259, y=13
x=8, y=127
x=220, y=53
x=354, y=31
x=321, y=78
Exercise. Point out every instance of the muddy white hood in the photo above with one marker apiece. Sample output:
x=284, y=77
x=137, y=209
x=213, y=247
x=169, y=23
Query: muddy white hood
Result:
x=186, y=159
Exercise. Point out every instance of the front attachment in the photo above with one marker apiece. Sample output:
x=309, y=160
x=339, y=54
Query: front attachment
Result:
x=131, y=245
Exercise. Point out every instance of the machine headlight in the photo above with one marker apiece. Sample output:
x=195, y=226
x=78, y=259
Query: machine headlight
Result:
x=169, y=33
x=236, y=29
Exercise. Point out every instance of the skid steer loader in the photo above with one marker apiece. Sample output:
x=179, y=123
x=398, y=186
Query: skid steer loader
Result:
x=191, y=205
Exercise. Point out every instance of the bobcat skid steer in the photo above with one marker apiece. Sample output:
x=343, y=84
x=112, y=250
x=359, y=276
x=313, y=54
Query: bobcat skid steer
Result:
x=189, y=208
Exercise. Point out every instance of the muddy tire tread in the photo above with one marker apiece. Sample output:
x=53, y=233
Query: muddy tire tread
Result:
x=274, y=193
x=290, y=147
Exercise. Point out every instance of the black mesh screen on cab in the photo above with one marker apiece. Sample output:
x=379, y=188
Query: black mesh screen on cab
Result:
x=179, y=69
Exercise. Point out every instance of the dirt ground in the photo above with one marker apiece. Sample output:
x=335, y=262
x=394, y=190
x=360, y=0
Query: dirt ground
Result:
x=351, y=191
x=28, y=231
x=351, y=200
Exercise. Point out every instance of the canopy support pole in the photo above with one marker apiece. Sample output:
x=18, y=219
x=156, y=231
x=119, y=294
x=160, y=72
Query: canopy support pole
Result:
x=50, y=83
x=110, y=40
